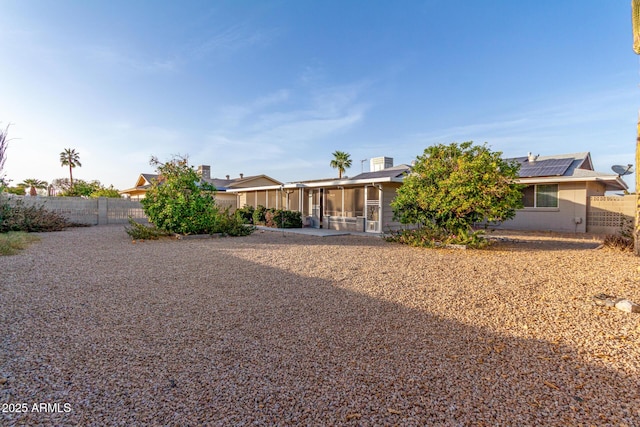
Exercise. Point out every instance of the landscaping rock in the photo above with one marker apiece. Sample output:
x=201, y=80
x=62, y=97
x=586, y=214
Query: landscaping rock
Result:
x=605, y=300
x=627, y=306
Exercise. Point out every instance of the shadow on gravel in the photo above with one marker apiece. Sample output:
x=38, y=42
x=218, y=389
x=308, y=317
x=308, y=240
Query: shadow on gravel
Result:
x=521, y=242
x=207, y=341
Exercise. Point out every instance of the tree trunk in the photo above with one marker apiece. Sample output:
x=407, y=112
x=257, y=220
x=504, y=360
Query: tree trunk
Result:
x=636, y=231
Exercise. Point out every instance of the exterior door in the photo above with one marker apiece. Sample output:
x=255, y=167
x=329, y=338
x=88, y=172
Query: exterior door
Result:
x=373, y=199
x=315, y=200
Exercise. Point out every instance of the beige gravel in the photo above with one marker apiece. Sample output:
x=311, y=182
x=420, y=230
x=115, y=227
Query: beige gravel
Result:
x=295, y=330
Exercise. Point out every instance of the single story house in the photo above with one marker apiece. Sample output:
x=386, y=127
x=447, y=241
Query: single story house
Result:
x=556, y=197
x=359, y=203
x=223, y=197
x=558, y=192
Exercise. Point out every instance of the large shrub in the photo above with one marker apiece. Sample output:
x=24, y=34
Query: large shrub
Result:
x=451, y=187
x=180, y=202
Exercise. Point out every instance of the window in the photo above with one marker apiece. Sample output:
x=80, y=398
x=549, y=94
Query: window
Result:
x=540, y=196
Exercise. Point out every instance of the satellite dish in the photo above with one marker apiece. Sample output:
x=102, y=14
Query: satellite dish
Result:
x=622, y=170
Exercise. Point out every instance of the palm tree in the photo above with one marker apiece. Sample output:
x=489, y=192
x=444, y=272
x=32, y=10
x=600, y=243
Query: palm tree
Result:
x=341, y=161
x=69, y=157
x=33, y=184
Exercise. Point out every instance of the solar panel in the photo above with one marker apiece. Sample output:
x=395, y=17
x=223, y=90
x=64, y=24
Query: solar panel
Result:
x=550, y=167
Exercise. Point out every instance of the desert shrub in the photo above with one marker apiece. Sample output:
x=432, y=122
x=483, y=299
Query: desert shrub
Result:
x=232, y=225
x=623, y=240
x=30, y=218
x=618, y=242
x=427, y=237
x=14, y=241
x=245, y=214
x=279, y=218
x=179, y=201
x=451, y=187
x=139, y=231
x=259, y=215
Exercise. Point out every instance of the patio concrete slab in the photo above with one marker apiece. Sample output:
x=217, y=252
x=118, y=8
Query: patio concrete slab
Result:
x=318, y=232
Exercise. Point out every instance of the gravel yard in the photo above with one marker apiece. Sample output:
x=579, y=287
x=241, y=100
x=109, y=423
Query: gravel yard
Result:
x=274, y=329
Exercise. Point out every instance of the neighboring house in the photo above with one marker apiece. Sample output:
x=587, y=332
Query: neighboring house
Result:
x=140, y=189
x=360, y=203
x=558, y=193
x=223, y=197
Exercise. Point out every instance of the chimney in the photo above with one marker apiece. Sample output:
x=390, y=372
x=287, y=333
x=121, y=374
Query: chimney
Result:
x=227, y=177
x=205, y=172
x=531, y=157
x=241, y=175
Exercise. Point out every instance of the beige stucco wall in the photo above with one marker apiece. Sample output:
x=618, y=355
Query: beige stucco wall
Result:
x=225, y=200
x=572, y=207
x=388, y=194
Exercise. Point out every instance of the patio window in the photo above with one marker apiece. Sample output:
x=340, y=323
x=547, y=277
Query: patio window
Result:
x=540, y=196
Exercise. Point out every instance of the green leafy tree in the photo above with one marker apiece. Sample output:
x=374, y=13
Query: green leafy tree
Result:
x=17, y=190
x=33, y=185
x=80, y=188
x=453, y=186
x=341, y=161
x=179, y=201
x=69, y=157
x=106, y=192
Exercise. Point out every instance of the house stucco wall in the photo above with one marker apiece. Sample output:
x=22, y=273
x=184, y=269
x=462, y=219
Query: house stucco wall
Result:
x=388, y=194
x=569, y=216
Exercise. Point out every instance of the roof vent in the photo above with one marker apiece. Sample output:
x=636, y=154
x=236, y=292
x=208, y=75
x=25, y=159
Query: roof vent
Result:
x=532, y=158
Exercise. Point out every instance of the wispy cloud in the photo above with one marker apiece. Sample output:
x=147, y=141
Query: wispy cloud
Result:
x=277, y=128
x=231, y=38
x=112, y=56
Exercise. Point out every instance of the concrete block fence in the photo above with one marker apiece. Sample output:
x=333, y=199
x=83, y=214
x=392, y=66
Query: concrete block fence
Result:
x=99, y=211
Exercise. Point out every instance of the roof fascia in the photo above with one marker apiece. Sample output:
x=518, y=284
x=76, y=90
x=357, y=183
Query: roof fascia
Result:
x=320, y=184
x=613, y=181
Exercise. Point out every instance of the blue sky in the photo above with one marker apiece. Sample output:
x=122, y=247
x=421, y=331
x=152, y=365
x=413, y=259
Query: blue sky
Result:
x=274, y=87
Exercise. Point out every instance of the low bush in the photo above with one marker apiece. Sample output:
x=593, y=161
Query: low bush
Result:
x=618, y=242
x=259, y=215
x=30, y=218
x=433, y=238
x=245, y=214
x=232, y=225
x=623, y=240
x=14, y=241
x=139, y=231
x=279, y=218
